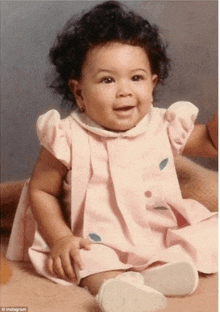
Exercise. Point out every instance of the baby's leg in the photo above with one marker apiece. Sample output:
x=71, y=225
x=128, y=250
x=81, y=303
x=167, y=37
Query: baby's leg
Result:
x=123, y=291
x=94, y=282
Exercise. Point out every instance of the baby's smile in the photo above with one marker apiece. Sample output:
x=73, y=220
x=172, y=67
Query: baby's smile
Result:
x=125, y=108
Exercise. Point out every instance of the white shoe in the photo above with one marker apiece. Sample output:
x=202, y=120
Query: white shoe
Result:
x=121, y=295
x=173, y=279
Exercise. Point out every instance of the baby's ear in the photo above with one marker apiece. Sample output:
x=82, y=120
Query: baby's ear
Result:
x=75, y=88
x=73, y=84
x=154, y=80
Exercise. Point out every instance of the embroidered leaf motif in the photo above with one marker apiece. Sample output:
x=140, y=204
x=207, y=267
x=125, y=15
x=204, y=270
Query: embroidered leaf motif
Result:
x=161, y=208
x=163, y=163
x=95, y=237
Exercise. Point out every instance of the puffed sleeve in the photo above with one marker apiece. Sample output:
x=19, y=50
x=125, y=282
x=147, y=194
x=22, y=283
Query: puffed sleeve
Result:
x=53, y=134
x=180, y=118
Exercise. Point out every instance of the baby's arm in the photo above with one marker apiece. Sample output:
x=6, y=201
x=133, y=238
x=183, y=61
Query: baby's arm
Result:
x=44, y=191
x=204, y=139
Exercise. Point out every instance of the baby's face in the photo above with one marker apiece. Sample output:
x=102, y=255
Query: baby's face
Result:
x=116, y=86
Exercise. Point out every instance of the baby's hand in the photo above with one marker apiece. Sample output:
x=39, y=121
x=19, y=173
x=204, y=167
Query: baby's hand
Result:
x=64, y=254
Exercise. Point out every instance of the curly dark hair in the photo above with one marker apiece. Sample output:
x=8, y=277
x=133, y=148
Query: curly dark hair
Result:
x=108, y=22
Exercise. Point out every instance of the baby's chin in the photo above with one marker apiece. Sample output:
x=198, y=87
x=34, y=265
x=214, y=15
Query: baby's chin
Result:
x=123, y=126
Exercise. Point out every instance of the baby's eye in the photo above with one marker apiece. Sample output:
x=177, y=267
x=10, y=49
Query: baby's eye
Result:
x=107, y=80
x=137, y=78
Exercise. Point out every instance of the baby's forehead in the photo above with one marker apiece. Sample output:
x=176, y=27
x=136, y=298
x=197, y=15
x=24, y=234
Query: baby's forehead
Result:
x=116, y=59
x=117, y=52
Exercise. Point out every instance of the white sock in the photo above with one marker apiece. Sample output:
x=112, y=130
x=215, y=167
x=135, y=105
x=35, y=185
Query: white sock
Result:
x=172, y=279
x=127, y=293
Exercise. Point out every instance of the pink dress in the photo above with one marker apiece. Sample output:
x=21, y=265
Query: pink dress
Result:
x=122, y=193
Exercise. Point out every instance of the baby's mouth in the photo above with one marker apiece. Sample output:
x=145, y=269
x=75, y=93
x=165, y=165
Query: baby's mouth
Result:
x=124, y=108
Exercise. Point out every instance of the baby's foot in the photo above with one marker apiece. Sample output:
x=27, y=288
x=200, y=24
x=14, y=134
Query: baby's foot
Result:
x=125, y=294
x=173, y=279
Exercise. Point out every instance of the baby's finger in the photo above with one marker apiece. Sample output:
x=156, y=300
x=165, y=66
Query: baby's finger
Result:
x=85, y=243
x=58, y=268
x=49, y=267
x=74, y=254
x=68, y=268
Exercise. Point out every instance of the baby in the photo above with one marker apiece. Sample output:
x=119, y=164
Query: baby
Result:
x=104, y=192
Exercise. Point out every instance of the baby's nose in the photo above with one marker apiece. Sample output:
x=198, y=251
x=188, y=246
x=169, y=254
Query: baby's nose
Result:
x=124, y=89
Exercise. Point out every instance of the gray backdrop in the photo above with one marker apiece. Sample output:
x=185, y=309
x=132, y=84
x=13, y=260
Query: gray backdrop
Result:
x=28, y=30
